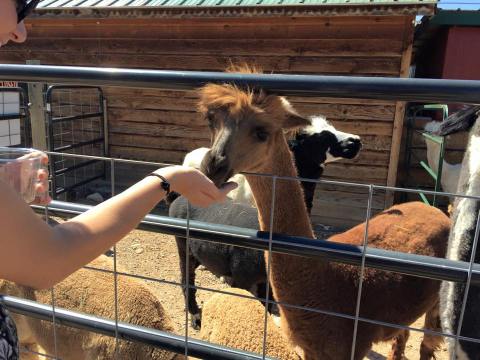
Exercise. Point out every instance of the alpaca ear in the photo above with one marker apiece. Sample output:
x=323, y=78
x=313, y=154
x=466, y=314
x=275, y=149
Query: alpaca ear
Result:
x=293, y=120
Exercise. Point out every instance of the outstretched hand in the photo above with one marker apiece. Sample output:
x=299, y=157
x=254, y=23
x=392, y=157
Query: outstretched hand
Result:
x=19, y=173
x=195, y=186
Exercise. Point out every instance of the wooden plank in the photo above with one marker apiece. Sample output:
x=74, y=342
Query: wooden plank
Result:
x=156, y=116
x=125, y=138
x=348, y=199
x=186, y=132
x=191, y=94
x=399, y=114
x=331, y=111
x=152, y=103
x=156, y=155
x=357, y=173
x=345, y=101
x=322, y=31
x=315, y=65
x=151, y=142
x=361, y=128
x=320, y=28
x=334, y=109
x=261, y=47
x=364, y=127
x=395, y=150
x=375, y=148
x=376, y=143
x=340, y=111
x=37, y=113
x=331, y=20
x=377, y=158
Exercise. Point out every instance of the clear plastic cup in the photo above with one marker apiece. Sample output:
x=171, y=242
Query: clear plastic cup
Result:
x=19, y=168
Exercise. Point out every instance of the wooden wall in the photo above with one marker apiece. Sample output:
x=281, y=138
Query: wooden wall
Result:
x=163, y=126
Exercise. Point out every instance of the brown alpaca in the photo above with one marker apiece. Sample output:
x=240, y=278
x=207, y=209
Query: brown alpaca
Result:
x=92, y=292
x=247, y=136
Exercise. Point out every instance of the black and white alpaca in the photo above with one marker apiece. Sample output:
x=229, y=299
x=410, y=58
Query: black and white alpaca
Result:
x=460, y=242
x=244, y=268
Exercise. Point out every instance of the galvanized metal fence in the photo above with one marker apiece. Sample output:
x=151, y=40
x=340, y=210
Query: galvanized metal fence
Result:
x=77, y=124
x=362, y=256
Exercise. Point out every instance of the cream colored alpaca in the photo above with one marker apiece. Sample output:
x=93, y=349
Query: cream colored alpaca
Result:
x=92, y=292
x=223, y=313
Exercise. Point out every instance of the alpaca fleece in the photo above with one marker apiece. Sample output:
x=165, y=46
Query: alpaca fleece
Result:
x=238, y=322
x=92, y=292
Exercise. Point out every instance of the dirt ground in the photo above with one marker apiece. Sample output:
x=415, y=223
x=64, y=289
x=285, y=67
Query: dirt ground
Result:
x=155, y=256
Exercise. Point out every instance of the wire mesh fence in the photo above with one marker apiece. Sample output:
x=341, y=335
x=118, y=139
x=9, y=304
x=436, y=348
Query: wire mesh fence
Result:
x=361, y=256
x=76, y=124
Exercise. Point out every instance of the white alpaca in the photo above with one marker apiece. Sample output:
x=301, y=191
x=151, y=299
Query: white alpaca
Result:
x=450, y=172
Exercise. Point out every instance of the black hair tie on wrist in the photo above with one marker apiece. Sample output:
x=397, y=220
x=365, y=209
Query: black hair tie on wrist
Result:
x=164, y=184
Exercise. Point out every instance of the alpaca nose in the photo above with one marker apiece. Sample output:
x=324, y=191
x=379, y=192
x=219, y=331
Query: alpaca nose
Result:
x=354, y=142
x=220, y=164
x=348, y=148
x=216, y=167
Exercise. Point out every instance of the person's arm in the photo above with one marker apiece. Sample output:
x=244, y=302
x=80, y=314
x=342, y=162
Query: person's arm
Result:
x=35, y=254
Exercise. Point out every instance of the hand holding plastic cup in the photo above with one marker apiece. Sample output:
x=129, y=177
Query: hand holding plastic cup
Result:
x=25, y=170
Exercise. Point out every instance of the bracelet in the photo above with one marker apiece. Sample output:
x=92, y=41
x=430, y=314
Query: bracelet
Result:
x=164, y=184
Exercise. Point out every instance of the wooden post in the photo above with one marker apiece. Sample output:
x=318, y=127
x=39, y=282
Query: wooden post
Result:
x=399, y=117
x=37, y=113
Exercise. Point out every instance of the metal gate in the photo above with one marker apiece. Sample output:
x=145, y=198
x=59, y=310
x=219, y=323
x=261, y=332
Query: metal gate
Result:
x=412, y=159
x=76, y=124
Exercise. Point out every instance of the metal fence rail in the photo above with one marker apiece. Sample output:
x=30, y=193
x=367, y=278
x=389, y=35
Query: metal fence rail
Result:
x=417, y=90
x=126, y=331
x=409, y=264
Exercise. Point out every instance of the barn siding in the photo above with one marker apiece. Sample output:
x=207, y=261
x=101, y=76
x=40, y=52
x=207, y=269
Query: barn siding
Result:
x=163, y=126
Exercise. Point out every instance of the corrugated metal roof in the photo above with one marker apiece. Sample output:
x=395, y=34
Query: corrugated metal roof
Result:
x=55, y=4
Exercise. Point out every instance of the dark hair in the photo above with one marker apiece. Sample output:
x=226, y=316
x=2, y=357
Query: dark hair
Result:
x=24, y=8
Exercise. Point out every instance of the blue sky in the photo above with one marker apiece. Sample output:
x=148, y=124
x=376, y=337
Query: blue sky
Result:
x=462, y=4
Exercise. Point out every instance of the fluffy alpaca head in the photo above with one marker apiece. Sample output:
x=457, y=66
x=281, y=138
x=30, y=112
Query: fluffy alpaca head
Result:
x=322, y=143
x=245, y=125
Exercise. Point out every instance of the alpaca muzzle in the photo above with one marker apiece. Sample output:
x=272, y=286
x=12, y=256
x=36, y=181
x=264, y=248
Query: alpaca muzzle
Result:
x=216, y=168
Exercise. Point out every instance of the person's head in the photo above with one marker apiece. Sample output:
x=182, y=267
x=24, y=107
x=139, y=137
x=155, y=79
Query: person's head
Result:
x=12, y=13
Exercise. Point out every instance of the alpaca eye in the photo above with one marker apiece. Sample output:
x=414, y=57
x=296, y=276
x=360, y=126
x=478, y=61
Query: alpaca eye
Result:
x=261, y=134
x=211, y=118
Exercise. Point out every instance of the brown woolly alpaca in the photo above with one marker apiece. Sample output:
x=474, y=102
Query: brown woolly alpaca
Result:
x=92, y=292
x=248, y=136
x=221, y=313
